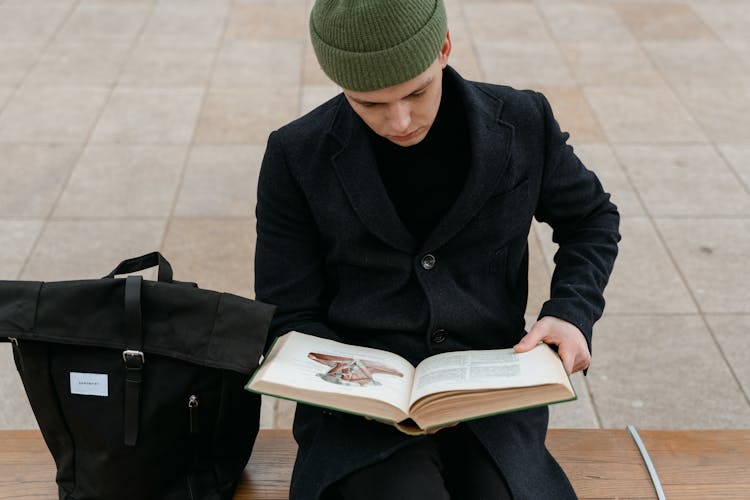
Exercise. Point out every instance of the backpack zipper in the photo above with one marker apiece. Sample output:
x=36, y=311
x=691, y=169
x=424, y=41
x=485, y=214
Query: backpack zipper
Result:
x=193, y=412
x=193, y=430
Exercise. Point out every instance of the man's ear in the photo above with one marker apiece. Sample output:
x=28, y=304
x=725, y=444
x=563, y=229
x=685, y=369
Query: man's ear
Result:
x=445, y=50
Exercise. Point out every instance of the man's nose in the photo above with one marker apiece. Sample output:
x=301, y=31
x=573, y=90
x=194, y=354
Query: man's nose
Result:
x=400, y=117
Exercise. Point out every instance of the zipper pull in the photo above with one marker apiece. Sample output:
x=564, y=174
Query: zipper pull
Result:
x=193, y=411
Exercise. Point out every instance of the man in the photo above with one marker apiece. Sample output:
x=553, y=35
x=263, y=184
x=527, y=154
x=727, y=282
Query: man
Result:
x=396, y=216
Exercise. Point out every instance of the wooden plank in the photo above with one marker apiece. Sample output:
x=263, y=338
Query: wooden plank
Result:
x=28, y=470
x=269, y=472
x=600, y=463
x=701, y=464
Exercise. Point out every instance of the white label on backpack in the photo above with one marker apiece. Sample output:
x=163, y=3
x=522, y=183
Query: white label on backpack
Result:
x=89, y=384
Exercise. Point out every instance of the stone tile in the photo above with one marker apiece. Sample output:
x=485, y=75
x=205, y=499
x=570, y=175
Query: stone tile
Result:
x=575, y=414
x=490, y=22
x=600, y=159
x=712, y=255
x=267, y=21
x=647, y=114
x=44, y=115
x=668, y=21
x=644, y=279
x=57, y=3
x=706, y=63
x=284, y=416
x=15, y=412
x=79, y=64
x=463, y=58
x=729, y=19
x=276, y=413
x=245, y=116
x=684, y=181
x=149, y=116
x=112, y=22
x=539, y=277
x=662, y=372
x=311, y=72
x=123, y=181
x=573, y=113
x=187, y=23
x=116, y=2
x=723, y=112
x=216, y=253
x=30, y=23
x=524, y=64
x=15, y=61
x=220, y=181
x=253, y=63
x=267, y=409
x=738, y=157
x=584, y=22
x=83, y=249
x=611, y=64
x=731, y=331
x=453, y=8
x=315, y=95
x=45, y=170
x=741, y=49
x=5, y=93
x=18, y=238
x=167, y=65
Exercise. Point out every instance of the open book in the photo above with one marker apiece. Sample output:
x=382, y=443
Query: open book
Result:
x=443, y=389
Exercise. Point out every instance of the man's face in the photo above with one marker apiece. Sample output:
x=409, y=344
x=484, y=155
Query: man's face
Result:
x=403, y=113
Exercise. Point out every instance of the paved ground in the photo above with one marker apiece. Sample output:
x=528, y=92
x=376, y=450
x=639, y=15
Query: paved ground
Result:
x=128, y=126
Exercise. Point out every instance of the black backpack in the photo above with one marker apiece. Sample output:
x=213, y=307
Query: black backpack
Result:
x=137, y=385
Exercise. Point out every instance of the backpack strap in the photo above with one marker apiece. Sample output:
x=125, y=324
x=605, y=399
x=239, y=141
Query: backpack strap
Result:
x=133, y=358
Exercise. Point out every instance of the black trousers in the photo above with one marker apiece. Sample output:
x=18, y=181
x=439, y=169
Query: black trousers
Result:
x=450, y=464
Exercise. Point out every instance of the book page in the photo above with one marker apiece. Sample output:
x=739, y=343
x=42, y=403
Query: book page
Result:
x=311, y=363
x=487, y=369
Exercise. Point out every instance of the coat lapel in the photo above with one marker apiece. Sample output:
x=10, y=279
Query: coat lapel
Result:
x=358, y=172
x=490, y=141
x=489, y=138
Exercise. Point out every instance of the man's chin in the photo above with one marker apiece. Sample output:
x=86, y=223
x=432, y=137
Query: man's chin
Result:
x=408, y=140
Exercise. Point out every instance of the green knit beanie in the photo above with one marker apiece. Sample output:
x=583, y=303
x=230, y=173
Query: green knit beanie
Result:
x=366, y=45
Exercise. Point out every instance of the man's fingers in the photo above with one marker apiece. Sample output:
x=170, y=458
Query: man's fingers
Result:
x=568, y=363
x=530, y=340
x=574, y=361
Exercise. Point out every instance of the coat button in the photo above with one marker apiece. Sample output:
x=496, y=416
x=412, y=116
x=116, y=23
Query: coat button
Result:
x=439, y=336
x=428, y=261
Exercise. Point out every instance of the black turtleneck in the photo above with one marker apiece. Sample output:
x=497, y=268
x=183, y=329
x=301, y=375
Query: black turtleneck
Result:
x=423, y=181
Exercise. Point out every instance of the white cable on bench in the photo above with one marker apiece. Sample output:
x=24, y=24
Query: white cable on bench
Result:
x=649, y=465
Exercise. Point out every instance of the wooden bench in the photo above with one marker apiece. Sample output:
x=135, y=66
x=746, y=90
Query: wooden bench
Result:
x=601, y=463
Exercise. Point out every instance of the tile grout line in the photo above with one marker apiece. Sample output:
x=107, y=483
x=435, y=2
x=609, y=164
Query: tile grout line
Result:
x=44, y=47
x=661, y=238
x=650, y=216
x=45, y=220
x=84, y=145
x=473, y=42
x=717, y=36
x=191, y=144
x=684, y=280
x=592, y=397
x=731, y=167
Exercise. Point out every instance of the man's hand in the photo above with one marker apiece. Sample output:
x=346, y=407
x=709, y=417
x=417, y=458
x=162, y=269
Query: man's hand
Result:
x=570, y=342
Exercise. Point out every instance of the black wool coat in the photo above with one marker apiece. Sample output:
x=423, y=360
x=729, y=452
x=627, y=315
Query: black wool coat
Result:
x=335, y=258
